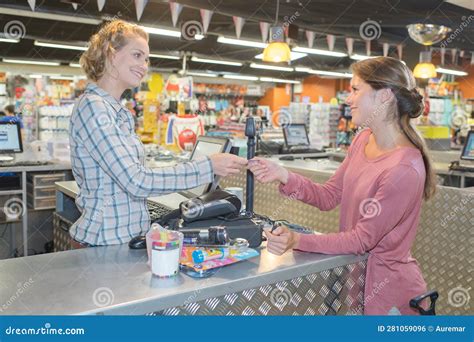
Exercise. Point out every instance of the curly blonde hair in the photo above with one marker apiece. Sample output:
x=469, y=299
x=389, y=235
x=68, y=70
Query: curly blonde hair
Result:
x=113, y=36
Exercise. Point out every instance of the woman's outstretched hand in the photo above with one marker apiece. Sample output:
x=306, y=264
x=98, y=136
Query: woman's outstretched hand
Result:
x=266, y=171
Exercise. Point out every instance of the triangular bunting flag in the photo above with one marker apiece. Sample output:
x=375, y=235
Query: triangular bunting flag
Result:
x=400, y=51
x=32, y=4
x=175, y=12
x=310, y=37
x=100, y=5
x=264, y=28
x=331, y=41
x=386, y=47
x=350, y=45
x=206, y=16
x=140, y=6
x=453, y=56
x=239, y=23
x=74, y=5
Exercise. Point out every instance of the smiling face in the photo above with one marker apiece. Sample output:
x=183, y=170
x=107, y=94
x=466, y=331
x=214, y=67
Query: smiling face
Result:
x=362, y=101
x=130, y=64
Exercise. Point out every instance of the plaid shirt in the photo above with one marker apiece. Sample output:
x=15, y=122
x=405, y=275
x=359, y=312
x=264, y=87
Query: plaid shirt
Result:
x=108, y=164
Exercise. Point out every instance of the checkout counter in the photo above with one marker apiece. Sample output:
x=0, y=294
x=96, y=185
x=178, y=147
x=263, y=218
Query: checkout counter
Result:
x=296, y=283
x=117, y=280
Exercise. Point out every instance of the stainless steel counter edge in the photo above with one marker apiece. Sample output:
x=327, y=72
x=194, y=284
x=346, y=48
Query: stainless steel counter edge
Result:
x=250, y=282
x=67, y=282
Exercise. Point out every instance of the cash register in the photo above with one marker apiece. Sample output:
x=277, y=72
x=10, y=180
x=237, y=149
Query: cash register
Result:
x=297, y=140
x=466, y=162
x=11, y=145
x=10, y=141
x=213, y=211
x=205, y=146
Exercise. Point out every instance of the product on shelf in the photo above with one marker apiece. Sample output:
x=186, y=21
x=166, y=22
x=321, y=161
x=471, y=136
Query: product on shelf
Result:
x=53, y=121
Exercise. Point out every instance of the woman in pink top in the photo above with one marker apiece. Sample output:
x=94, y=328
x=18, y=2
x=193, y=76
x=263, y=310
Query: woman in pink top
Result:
x=380, y=187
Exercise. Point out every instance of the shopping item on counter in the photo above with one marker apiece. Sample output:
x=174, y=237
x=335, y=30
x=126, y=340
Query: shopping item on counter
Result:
x=212, y=259
x=164, y=248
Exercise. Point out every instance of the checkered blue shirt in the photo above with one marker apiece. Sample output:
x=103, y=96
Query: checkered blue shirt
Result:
x=108, y=164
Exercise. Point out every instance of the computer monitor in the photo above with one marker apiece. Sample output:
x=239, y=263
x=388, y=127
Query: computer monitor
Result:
x=468, y=150
x=206, y=146
x=10, y=139
x=296, y=135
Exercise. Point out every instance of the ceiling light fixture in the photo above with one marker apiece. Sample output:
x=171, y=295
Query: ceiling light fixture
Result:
x=155, y=55
x=324, y=72
x=358, y=57
x=168, y=33
x=278, y=80
x=241, y=77
x=293, y=55
x=425, y=69
x=214, y=61
x=270, y=67
x=201, y=74
x=9, y=40
x=277, y=50
x=442, y=70
x=26, y=61
x=60, y=46
x=319, y=52
x=66, y=78
x=241, y=42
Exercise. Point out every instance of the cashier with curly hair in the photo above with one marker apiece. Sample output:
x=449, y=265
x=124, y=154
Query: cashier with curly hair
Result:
x=108, y=157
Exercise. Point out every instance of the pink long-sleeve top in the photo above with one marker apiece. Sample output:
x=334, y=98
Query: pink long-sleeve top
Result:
x=380, y=209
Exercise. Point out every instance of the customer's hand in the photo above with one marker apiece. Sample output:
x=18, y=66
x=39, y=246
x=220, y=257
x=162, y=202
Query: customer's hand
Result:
x=225, y=164
x=266, y=171
x=281, y=240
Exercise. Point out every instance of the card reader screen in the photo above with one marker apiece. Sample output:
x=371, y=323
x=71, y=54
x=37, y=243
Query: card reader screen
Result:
x=204, y=148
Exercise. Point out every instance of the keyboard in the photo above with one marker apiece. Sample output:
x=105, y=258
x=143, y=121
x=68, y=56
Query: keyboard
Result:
x=464, y=168
x=157, y=210
x=303, y=150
